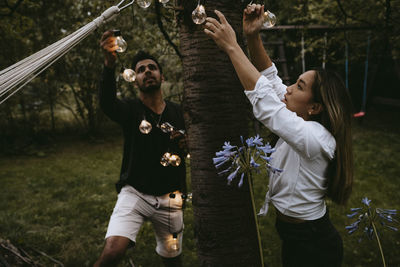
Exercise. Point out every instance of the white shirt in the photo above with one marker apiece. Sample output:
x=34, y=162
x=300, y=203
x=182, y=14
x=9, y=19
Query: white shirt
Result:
x=303, y=152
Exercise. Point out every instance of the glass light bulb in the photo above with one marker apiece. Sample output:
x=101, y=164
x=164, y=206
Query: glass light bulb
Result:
x=175, y=160
x=188, y=156
x=145, y=127
x=174, y=243
x=269, y=19
x=129, y=75
x=163, y=1
x=199, y=14
x=166, y=127
x=165, y=159
x=121, y=43
x=144, y=3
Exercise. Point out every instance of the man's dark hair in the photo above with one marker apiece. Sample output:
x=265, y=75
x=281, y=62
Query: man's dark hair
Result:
x=142, y=55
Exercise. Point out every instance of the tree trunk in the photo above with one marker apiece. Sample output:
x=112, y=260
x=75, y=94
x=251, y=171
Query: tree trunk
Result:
x=216, y=110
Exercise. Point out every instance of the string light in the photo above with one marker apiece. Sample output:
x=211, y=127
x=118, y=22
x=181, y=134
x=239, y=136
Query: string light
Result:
x=129, y=75
x=120, y=42
x=145, y=127
x=144, y=3
x=269, y=19
x=165, y=159
x=199, y=14
x=166, y=127
x=174, y=242
x=175, y=160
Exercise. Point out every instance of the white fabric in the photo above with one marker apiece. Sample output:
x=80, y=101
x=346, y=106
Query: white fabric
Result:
x=303, y=152
x=165, y=213
x=16, y=76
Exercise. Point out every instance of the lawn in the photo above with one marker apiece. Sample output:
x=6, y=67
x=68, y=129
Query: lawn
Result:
x=58, y=198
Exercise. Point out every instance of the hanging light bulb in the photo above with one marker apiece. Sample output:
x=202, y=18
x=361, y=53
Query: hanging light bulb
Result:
x=129, y=75
x=199, y=14
x=269, y=19
x=166, y=127
x=163, y=1
x=165, y=159
x=144, y=3
x=188, y=156
x=175, y=160
x=145, y=127
x=174, y=245
x=120, y=42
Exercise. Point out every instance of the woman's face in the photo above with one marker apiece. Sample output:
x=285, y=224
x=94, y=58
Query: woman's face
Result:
x=299, y=97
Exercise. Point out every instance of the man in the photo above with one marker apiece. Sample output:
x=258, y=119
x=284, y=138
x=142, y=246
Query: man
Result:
x=147, y=189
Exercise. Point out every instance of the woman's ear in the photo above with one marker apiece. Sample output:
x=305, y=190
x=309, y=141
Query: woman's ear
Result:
x=316, y=108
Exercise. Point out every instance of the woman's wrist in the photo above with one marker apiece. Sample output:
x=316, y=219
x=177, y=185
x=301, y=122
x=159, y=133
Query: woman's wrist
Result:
x=253, y=36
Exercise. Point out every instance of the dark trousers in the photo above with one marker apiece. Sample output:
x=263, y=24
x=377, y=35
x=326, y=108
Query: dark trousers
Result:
x=311, y=243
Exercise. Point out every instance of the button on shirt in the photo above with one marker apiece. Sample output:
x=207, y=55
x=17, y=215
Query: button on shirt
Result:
x=303, y=152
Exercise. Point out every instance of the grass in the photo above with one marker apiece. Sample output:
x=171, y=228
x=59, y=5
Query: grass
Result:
x=58, y=199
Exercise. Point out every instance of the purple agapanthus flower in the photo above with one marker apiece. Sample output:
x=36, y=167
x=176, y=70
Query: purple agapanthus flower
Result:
x=367, y=217
x=244, y=158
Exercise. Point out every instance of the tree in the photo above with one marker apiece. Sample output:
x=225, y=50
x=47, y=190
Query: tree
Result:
x=215, y=110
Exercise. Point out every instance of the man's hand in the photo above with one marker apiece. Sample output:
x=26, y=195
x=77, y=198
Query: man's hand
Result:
x=253, y=19
x=108, y=45
x=180, y=137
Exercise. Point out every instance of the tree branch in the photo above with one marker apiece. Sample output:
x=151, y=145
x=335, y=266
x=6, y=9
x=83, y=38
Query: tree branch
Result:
x=348, y=16
x=161, y=26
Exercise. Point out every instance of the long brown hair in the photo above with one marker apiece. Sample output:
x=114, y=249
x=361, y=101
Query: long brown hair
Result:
x=329, y=90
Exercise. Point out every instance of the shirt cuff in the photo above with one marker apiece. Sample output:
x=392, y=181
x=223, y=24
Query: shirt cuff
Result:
x=262, y=88
x=270, y=71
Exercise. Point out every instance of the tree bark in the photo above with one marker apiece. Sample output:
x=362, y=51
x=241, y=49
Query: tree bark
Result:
x=216, y=110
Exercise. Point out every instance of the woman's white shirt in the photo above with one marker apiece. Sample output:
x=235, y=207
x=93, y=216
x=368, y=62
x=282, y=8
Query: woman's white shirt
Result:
x=303, y=152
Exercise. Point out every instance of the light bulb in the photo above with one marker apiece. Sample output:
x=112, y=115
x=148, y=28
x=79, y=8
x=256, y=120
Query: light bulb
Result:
x=163, y=1
x=129, y=75
x=165, y=159
x=199, y=14
x=175, y=160
x=166, y=127
x=144, y=3
x=269, y=19
x=174, y=242
x=145, y=127
x=120, y=42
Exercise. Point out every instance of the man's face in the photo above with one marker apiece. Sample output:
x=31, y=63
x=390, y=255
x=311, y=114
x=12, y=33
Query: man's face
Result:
x=148, y=76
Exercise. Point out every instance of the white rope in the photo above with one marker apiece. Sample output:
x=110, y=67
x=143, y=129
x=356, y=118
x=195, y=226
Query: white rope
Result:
x=16, y=76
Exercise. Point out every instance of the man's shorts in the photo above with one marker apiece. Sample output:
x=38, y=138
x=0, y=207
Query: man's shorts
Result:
x=164, y=212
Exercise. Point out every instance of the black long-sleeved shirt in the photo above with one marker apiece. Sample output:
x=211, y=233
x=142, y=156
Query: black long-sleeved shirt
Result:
x=141, y=166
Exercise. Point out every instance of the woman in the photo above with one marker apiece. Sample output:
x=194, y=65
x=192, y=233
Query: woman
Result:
x=312, y=118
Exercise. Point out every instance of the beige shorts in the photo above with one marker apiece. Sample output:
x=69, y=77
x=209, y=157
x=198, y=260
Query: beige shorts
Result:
x=164, y=212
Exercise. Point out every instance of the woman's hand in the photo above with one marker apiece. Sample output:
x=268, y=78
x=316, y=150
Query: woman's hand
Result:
x=253, y=19
x=108, y=45
x=221, y=32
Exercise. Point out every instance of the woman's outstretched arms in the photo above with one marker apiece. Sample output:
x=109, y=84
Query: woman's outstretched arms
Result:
x=252, y=23
x=224, y=36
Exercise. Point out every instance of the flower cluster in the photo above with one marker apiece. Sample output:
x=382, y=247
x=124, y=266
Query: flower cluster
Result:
x=367, y=217
x=244, y=158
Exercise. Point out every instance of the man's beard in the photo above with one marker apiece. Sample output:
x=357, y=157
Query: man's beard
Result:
x=151, y=88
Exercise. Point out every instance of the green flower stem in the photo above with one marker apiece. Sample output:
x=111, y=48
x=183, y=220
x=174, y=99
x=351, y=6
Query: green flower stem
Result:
x=379, y=244
x=255, y=218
